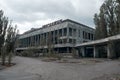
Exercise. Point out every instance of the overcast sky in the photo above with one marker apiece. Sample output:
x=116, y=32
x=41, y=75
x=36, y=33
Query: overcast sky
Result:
x=35, y=13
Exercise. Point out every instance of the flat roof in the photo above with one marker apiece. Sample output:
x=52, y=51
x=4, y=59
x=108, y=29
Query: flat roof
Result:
x=61, y=21
x=69, y=20
x=101, y=41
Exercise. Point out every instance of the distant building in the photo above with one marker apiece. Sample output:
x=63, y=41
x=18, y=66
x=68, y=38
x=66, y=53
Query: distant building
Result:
x=61, y=35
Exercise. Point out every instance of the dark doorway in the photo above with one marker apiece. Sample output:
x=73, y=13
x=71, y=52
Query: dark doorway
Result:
x=89, y=52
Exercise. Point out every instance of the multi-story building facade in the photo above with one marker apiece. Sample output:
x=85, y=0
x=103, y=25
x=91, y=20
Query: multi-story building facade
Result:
x=61, y=36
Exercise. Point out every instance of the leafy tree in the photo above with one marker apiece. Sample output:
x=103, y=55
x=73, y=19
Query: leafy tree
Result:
x=11, y=38
x=7, y=38
x=101, y=25
x=3, y=28
x=108, y=22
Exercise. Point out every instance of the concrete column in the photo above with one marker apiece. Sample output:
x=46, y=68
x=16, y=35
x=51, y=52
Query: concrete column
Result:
x=67, y=34
x=57, y=50
x=68, y=50
x=43, y=39
x=47, y=38
x=25, y=42
x=62, y=34
x=95, y=52
x=73, y=35
x=83, y=51
x=58, y=36
x=40, y=40
x=35, y=40
x=31, y=40
x=77, y=52
x=28, y=42
x=53, y=37
x=90, y=36
x=108, y=52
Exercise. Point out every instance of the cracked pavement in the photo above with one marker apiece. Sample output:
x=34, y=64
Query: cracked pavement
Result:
x=35, y=69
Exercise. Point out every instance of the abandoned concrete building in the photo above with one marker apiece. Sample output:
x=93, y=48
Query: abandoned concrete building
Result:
x=61, y=36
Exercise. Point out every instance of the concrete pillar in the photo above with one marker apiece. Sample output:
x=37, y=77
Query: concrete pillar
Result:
x=57, y=50
x=40, y=40
x=28, y=41
x=45, y=38
x=31, y=40
x=35, y=40
x=53, y=37
x=62, y=34
x=95, y=52
x=58, y=36
x=67, y=34
x=41, y=37
x=77, y=52
x=25, y=42
x=108, y=52
x=73, y=33
x=83, y=51
x=67, y=50
x=91, y=36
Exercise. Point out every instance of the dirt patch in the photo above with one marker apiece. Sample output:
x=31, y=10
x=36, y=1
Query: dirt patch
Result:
x=80, y=61
x=67, y=61
x=6, y=65
x=9, y=65
x=49, y=59
x=77, y=61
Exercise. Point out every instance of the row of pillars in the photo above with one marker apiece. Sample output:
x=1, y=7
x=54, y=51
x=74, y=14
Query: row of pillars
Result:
x=43, y=38
x=96, y=52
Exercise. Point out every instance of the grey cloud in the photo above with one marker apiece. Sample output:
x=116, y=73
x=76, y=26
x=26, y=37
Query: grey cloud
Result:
x=27, y=9
x=31, y=11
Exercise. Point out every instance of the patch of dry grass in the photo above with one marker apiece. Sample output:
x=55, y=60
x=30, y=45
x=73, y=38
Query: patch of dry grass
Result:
x=6, y=65
x=49, y=59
